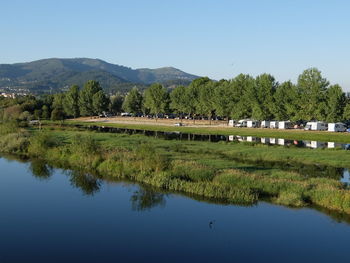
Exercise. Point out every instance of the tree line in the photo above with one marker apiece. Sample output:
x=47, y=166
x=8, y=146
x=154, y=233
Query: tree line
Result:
x=261, y=98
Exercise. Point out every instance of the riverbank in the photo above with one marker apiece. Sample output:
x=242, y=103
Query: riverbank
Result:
x=237, y=173
x=217, y=128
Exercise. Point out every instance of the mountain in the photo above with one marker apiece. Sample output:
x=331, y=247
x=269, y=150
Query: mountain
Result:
x=56, y=74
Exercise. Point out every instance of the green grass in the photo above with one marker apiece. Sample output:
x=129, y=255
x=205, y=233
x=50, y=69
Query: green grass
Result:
x=323, y=136
x=234, y=172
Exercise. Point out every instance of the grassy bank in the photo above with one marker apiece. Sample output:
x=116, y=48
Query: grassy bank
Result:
x=292, y=134
x=229, y=171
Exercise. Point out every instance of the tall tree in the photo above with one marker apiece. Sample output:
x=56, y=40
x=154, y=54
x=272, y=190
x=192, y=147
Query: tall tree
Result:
x=223, y=99
x=312, y=89
x=335, y=103
x=263, y=97
x=178, y=100
x=116, y=103
x=192, y=96
x=156, y=99
x=100, y=102
x=86, y=104
x=286, y=102
x=346, y=113
x=243, y=94
x=133, y=101
x=206, y=100
x=71, y=102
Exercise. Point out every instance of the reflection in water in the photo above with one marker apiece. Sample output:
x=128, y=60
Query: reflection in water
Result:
x=216, y=138
x=40, y=169
x=88, y=183
x=145, y=199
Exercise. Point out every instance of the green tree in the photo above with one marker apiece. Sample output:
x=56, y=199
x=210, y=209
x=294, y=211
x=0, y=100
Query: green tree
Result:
x=286, y=102
x=206, y=100
x=223, y=99
x=312, y=88
x=335, y=103
x=133, y=101
x=116, y=103
x=45, y=112
x=100, y=102
x=346, y=113
x=263, y=97
x=192, y=96
x=178, y=100
x=71, y=102
x=156, y=99
x=86, y=104
x=243, y=92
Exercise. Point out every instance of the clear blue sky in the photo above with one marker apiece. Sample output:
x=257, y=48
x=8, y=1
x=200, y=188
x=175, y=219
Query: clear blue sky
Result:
x=219, y=39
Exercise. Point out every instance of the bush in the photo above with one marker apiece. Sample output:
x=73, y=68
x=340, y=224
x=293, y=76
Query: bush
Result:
x=41, y=142
x=14, y=143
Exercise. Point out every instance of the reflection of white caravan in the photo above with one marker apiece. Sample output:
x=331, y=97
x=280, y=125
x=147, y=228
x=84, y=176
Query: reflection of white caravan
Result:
x=232, y=123
x=315, y=144
x=281, y=142
x=336, y=127
x=253, y=124
x=265, y=140
x=250, y=138
x=331, y=145
x=241, y=123
x=316, y=126
x=265, y=124
x=273, y=140
x=285, y=125
x=274, y=124
x=231, y=138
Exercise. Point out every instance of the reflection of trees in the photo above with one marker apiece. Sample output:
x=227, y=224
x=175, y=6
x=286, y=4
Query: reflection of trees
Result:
x=145, y=199
x=40, y=169
x=86, y=182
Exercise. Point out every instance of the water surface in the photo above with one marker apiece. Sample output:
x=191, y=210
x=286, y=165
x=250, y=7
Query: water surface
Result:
x=52, y=215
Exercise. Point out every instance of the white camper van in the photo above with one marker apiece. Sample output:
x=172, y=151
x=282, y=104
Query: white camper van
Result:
x=242, y=123
x=265, y=124
x=316, y=126
x=336, y=127
x=274, y=124
x=285, y=125
x=232, y=123
x=253, y=124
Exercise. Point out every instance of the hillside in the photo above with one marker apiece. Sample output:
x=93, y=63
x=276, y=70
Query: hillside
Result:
x=55, y=74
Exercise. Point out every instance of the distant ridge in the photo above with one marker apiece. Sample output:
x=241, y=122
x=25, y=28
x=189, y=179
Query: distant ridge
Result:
x=56, y=74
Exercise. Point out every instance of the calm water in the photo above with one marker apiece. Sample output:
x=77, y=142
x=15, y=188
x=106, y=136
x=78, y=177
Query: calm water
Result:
x=217, y=138
x=51, y=215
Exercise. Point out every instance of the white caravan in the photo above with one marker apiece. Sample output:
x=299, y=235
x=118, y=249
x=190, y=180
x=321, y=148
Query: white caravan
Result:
x=285, y=125
x=265, y=124
x=316, y=126
x=232, y=123
x=242, y=123
x=336, y=127
x=274, y=124
x=253, y=124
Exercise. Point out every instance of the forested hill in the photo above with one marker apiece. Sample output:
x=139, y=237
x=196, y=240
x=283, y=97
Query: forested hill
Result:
x=55, y=74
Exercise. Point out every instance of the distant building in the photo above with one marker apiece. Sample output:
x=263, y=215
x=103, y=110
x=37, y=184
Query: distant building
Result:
x=8, y=95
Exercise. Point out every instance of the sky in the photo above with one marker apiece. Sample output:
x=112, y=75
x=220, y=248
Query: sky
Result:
x=214, y=38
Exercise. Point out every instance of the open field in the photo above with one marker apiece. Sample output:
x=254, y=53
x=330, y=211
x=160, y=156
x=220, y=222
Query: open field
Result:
x=218, y=127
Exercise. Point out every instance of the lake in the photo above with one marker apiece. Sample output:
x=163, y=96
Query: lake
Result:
x=55, y=215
